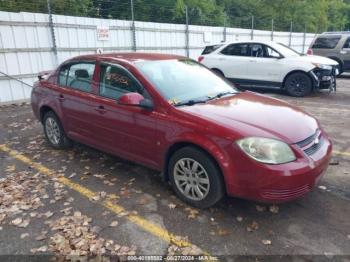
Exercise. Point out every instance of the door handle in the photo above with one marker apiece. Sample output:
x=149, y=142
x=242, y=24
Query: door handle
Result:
x=61, y=98
x=101, y=109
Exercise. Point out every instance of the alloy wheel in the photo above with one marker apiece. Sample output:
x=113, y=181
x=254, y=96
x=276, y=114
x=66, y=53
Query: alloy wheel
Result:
x=191, y=179
x=52, y=130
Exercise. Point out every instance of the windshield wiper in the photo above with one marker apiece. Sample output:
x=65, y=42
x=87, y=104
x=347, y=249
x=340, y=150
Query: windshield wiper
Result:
x=190, y=102
x=221, y=94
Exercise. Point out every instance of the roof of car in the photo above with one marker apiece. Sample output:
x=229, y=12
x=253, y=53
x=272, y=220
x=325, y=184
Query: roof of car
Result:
x=131, y=57
x=251, y=41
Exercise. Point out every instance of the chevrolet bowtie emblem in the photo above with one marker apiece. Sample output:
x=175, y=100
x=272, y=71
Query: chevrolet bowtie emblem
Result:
x=317, y=140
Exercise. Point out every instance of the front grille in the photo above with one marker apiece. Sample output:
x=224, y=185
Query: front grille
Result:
x=314, y=148
x=308, y=140
x=284, y=194
x=312, y=144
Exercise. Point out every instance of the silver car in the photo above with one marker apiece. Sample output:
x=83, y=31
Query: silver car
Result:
x=334, y=45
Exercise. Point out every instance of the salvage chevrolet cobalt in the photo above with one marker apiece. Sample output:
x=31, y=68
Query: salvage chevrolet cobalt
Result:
x=174, y=115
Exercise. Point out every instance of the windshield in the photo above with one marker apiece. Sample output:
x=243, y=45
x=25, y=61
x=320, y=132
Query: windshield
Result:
x=180, y=81
x=286, y=51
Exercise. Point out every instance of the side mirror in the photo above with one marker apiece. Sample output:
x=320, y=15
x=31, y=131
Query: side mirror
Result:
x=135, y=99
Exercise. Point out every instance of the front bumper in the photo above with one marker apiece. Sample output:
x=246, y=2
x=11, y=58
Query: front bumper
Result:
x=284, y=182
x=325, y=79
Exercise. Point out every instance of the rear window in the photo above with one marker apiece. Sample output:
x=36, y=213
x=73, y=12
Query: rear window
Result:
x=209, y=49
x=329, y=42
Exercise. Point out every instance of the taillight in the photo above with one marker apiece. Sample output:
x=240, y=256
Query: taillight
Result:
x=310, y=52
x=200, y=59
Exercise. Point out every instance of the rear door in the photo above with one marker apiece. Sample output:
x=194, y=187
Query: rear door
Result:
x=264, y=65
x=233, y=60
x=77, y=80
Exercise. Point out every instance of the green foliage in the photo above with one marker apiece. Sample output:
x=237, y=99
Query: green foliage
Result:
x=312, y=15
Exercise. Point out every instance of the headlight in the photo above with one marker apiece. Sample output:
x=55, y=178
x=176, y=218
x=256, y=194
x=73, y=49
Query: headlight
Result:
x=266, y=150
x=321, y=66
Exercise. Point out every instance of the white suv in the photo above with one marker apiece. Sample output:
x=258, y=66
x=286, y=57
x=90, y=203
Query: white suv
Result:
x=268, y=64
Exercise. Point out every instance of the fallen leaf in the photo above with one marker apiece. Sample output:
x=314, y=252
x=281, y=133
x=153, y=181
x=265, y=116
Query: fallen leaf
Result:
x=11, y=168
x=171, y=206
x=266, y=242
x=24, y=235
x=239, y=219
x=253, y=226
x=16, y=221
x=274, y=209
x=72, y=175
x=114, y=224
x=48, y=214
x=260, y=208
x=223, y=232
x=25, y=223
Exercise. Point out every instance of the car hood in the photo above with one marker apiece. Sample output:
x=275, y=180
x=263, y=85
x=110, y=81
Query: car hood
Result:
x=250, y=114
x=317, y=59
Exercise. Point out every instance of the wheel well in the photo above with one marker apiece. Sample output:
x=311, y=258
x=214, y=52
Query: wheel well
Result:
x=338, y=60
x=44, y=110
x=216, y=69
x=297, y=71
x=177, y=146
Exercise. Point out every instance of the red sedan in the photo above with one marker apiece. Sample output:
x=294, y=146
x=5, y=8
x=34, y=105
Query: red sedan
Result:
x=174, y=115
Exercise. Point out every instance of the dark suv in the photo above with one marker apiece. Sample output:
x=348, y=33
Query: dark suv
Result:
x=335, y=45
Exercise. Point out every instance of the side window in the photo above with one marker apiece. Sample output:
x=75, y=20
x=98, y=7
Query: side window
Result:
x=115, y=82
x=329, y=42
x=256, y=50
x=62, y=76
x=80, y=76
x=271, y=53
x=236, y=50
x=347, y=43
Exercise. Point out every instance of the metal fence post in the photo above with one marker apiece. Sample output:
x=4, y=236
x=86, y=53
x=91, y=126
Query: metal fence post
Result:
x=133, y=29
x=304, y=39
x=272, y=28
x=52, y=30
x=290, y=34
x=252, y=32
x=187, y=37
x=224, y=32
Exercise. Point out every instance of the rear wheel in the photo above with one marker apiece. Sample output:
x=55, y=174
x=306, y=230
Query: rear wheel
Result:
x=195, y=177
x=54, y=132
x=298, y=84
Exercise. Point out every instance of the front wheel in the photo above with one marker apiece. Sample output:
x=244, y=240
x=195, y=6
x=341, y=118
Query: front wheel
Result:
x=54, y=132
x=195, y=177
x=298, y=84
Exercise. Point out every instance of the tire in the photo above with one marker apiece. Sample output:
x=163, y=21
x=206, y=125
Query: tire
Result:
x=208, y=179
x=54, y=132
x=298, y=84
x=218, y=72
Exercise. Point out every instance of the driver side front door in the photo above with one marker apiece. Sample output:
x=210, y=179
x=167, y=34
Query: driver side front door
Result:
x=128, y=131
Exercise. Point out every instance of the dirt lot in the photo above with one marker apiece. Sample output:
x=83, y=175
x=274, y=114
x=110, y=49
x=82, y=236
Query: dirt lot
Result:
x=82, y=201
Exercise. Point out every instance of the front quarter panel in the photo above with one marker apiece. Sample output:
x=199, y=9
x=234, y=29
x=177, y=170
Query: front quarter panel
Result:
x=175, y=129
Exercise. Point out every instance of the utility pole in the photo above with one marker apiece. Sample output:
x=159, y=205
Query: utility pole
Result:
x=225, y=31
x=272, y=29
x=252, y=31
x=290, y=34
x=52, y=30
x=133, y=29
